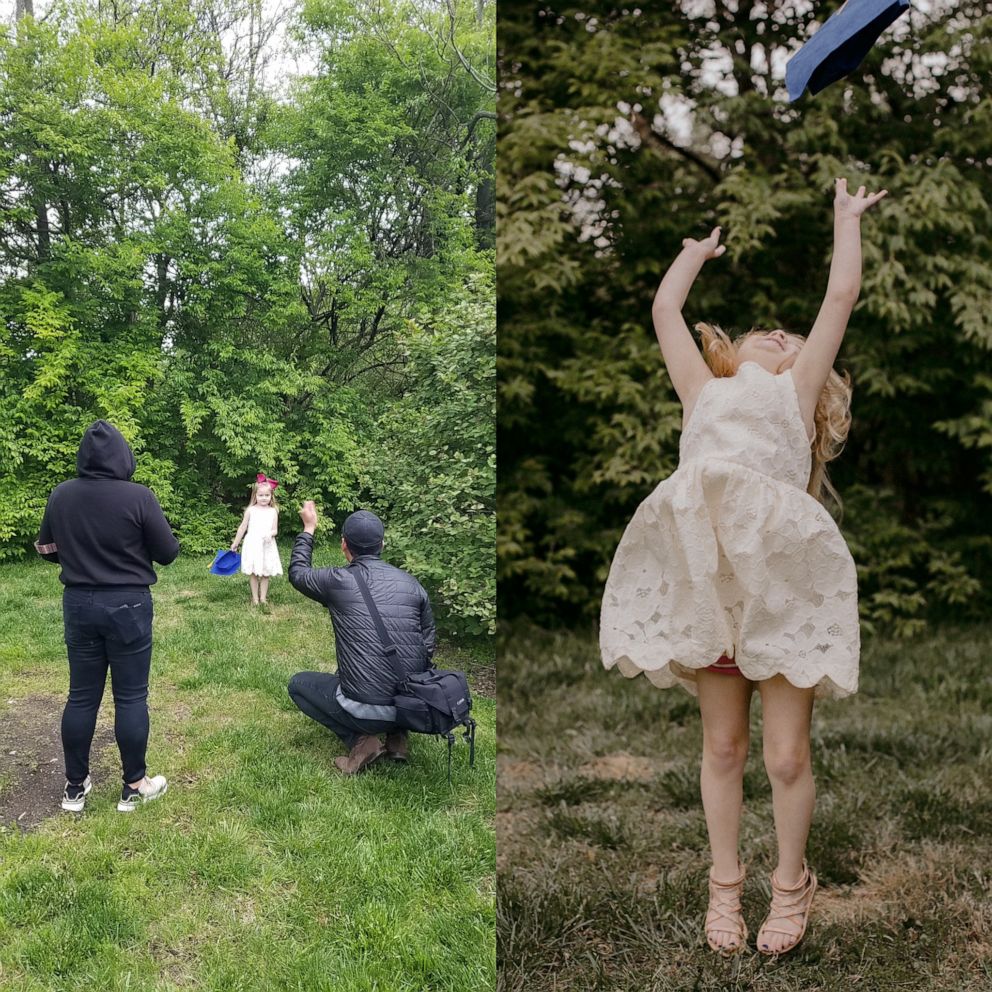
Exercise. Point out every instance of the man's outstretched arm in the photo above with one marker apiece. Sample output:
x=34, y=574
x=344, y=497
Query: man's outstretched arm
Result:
x=303, y=577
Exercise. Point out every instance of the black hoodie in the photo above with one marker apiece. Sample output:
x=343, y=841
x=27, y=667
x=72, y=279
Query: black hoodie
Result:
x=101, y=528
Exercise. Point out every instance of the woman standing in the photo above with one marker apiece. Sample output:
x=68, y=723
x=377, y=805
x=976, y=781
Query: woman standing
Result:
x=105, y=531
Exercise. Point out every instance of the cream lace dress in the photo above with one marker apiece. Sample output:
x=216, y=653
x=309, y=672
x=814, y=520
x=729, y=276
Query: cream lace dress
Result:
x=258, y=555
x=730, y=554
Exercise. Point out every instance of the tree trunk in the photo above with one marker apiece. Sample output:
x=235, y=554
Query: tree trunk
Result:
x=485, y=213
x=25, y=8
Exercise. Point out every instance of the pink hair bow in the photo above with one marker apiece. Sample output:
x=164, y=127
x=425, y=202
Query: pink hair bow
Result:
x=260, y=478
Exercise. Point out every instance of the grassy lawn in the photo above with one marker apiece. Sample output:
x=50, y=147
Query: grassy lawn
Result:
x=261, y=869
x=602, y=845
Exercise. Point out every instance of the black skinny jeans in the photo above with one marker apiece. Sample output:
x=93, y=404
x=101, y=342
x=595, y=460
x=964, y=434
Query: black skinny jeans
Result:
x=110, y=627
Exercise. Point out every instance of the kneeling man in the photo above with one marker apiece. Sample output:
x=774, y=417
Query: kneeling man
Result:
x=357, y=702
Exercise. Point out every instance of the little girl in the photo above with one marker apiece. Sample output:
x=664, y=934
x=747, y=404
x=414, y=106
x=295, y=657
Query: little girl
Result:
x=260, y=556
x=732, y=574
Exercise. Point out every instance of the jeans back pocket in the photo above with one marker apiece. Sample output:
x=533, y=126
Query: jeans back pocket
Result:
x=131, y=621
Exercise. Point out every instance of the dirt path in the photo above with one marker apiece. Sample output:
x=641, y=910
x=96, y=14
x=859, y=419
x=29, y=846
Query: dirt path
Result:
x=32, y=776
x=482, y=681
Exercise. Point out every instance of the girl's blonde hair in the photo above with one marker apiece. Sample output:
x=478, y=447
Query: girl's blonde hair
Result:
x=831, y=419
x=254, y=494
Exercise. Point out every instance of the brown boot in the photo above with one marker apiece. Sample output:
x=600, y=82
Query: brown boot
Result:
x=367, y=751
x=396, y=747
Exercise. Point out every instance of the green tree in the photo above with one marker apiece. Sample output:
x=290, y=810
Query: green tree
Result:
x=432, y=457
x=382, y=191
x=227, y=268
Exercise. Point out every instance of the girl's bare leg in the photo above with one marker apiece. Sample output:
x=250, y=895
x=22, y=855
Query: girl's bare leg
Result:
x=724, y=702
x=263, y=582
x=787, y=717
x=253, y=582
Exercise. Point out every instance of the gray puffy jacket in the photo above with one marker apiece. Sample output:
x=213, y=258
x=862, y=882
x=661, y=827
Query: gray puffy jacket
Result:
x=366, y=673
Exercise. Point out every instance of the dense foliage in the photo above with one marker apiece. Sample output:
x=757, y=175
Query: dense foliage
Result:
x=225, y=258
x=624, y=130
x=432, y=457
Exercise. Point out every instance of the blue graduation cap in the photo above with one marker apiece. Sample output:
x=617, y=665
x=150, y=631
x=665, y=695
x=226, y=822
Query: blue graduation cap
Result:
x=840, y=45
x=226, y=563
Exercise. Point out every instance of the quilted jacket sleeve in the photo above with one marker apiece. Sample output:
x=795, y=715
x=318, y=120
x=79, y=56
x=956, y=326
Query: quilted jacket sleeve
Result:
x=427, y=630
x=303, y=577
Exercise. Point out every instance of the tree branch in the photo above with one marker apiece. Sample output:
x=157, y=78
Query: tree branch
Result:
x=662, y=144
x=479, y=115
x=376, y=365
x=484, y=83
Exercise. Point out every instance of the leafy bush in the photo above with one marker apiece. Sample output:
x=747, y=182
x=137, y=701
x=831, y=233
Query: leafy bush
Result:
x=431, y=463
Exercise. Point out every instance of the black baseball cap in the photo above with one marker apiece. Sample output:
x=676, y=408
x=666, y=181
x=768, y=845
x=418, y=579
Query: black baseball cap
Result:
x=364, y=532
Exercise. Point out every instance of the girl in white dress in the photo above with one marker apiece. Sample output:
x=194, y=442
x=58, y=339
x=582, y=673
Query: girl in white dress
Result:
x=259, y=527
x=732, y=575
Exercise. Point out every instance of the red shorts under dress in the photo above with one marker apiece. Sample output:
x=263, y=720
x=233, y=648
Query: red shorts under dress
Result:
x=724, y=665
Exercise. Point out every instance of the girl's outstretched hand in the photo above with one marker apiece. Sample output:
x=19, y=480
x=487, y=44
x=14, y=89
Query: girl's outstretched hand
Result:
x=846, y=205
x=709, y=247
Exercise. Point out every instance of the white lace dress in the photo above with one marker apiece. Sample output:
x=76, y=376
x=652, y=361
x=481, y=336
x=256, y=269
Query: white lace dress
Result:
x=730, y=554
x=259, y=552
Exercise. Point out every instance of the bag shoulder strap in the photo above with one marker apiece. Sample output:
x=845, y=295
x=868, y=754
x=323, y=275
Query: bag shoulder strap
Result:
x=387, y=643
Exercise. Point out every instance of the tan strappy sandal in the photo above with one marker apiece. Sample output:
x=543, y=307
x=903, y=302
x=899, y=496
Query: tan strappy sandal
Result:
x=788, y=914
x=725, y=915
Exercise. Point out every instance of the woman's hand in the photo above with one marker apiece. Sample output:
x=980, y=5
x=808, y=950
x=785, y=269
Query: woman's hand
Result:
x=846, y=205
x=708, y=247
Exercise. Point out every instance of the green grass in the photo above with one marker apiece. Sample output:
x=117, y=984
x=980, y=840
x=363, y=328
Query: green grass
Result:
x=262, y=869
x=602, y=845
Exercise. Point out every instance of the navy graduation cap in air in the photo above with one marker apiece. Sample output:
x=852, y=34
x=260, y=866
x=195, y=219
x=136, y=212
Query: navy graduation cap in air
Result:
x=840, y=45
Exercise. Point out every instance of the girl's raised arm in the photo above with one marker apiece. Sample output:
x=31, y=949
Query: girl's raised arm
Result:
x=686, y=367
x=843, y=285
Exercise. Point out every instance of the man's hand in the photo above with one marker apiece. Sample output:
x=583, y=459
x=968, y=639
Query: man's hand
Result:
x=708, y=247
x=846, y=205
x=308, y=514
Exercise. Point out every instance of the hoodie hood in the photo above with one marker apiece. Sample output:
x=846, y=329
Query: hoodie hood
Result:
x=104, y=454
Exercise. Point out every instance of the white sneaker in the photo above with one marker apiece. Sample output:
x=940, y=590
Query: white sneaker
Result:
x=150, y=788
x=74, y=797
